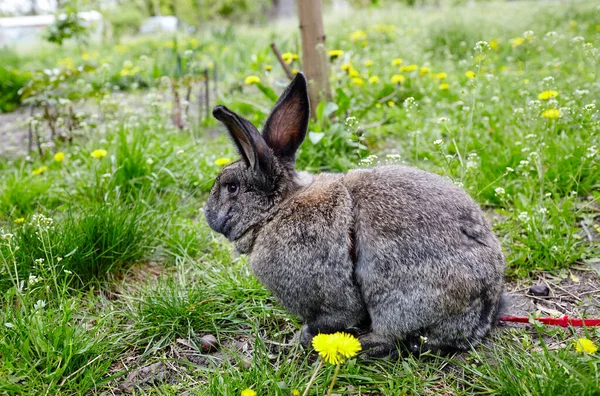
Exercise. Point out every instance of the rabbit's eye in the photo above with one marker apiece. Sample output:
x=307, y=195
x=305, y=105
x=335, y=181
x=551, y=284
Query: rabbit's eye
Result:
x=232, y=188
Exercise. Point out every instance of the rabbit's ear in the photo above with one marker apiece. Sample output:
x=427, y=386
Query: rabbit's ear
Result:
x=286, y=126
x=251, y=146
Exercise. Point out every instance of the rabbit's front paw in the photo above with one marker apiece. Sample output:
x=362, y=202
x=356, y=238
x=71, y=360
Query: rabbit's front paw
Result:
x=306, y=336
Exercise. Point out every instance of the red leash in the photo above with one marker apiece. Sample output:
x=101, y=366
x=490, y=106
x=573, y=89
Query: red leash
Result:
x=563, y=321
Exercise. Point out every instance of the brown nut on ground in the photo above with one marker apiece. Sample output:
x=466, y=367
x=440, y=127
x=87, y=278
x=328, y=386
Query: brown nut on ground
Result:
x=209, y=343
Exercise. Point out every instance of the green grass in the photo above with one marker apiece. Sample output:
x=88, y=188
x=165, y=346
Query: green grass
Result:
x=107, y=264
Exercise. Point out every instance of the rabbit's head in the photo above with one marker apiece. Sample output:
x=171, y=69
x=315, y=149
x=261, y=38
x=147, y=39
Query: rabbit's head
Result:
x=247, y=190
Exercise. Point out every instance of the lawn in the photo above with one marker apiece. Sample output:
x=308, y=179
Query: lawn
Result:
x=112, y=281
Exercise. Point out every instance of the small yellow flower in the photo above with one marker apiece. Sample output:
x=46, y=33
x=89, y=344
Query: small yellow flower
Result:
x=397, y=62
x=100, y=153
x=335, y=53
x=251, y=80
x=545, y=95
x=494, y=44
x=551, y=114
x=391, y=103
x=374, y=80
x=124, y=72
x=368, y=63
x=222, y=161
x=358, y=81
x=424, y=70
x=288, y=57
x=408, y=68
x=20, y=220
x=358, y=35
x=441, y=76
x=517, y=41
x=295, y=392
x=470, y=74
x=248, y=392
x=443, y=86
x=39, y=170
x=398, y=79
x=337, y=347
x=353, y=73
x=346, y=67
x=59, y=157
x=584, y=345
x=378, y=105
x=268, y=67
x=295, y=70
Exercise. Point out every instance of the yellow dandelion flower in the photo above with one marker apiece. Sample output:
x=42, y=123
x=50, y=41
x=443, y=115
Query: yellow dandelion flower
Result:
x=251, y=80
x=353, y=73
x=346, y=67
x=424, y=70
x=59, y=157
x=397, y=62
x=546, y=95
x=295, y=392
x=288, y=57
x=398, y=79
x=358, y=81
x=408, y=68
x=39, y=170
x=248, y=392
x=517, y=41
x=441, y=76
x=20, y=220
x=335, y=53
x=391, y=103
x=222, y=161
x=336, y=348
x=584, y=345
x=295, y=71
x=358, y=35
x=100, y=153
x=443, y=87
x=268, y=67
x=470, y=74
x=368, y=63
x=374, y=80
x=494, y=44
x=551, y=114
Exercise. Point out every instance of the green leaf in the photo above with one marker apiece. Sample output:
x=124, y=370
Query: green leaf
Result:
x=268, y=92
x=315, y=137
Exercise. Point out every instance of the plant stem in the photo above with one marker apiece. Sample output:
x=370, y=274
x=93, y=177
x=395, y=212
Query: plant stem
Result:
x=337, y=369
x=313, y=378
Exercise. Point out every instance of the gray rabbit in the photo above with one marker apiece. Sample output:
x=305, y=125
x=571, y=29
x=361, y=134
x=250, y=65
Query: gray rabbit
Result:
x=398, y=254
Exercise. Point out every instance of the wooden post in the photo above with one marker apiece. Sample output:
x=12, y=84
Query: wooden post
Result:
x=314, y=53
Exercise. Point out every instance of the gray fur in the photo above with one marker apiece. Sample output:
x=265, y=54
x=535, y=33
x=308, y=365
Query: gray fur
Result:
x=400, y=254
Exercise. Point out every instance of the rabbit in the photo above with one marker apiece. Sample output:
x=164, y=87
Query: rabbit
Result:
x=398, y=255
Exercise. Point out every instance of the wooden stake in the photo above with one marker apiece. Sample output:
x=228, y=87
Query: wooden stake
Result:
x=314, y=53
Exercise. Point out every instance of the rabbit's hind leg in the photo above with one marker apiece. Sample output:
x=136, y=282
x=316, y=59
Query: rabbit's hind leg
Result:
x=463, y=331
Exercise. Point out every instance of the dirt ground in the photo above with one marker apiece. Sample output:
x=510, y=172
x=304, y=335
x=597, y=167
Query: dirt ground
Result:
x=13, y=132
